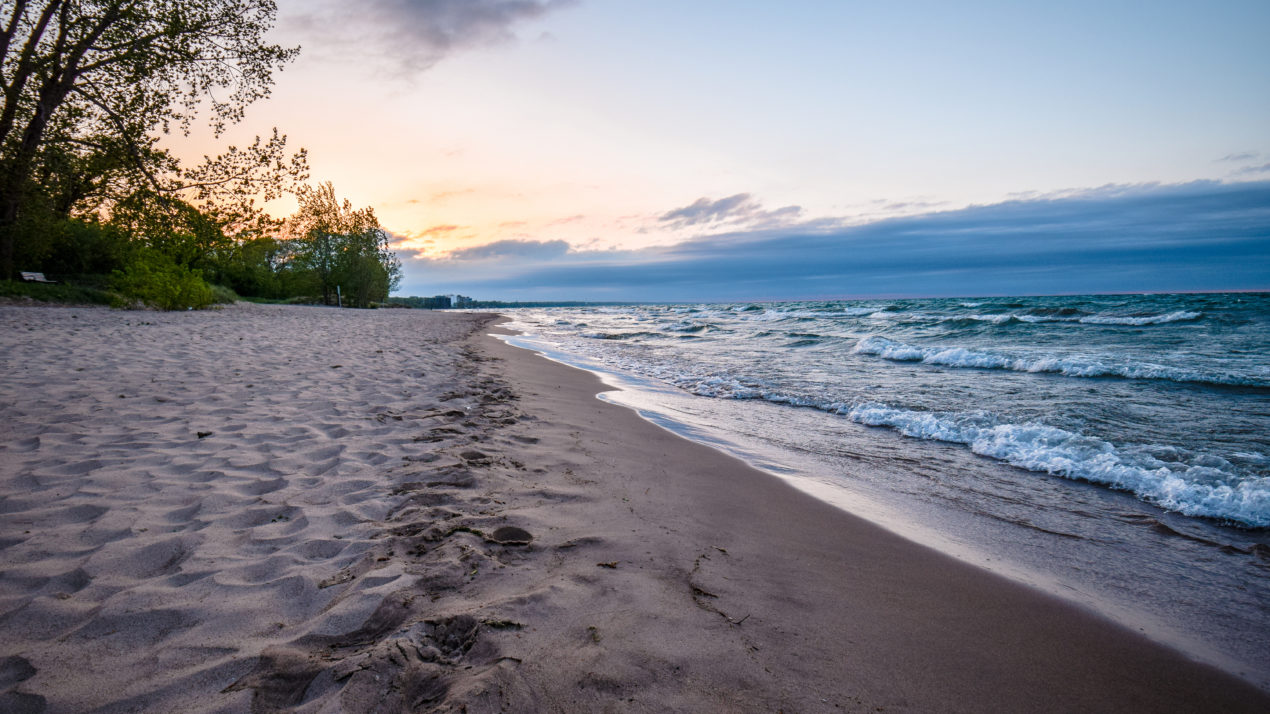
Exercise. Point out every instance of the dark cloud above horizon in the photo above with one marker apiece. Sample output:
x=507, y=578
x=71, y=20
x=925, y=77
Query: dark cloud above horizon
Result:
x=419, y=33
x=517, y=249
x=1196, y=236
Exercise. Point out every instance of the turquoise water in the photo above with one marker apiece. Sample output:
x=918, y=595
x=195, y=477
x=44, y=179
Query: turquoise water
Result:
x=1114, y=449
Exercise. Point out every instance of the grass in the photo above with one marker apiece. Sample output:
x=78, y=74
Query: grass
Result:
x=302, y=300
x=222, y=295
x=88, y=290
x=60, y=293
x=95, y=290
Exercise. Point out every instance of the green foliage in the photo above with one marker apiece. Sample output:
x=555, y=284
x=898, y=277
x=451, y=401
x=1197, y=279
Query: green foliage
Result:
x=55, y=244
x=154, y=279
x=89, y=90
x=254, y=267
x=222, y=295
x=78, y=247
x=90, y=87
x=342, y=248
x=173, y=227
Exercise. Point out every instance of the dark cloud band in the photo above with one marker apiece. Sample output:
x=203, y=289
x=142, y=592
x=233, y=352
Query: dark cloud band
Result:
x=1198, y=236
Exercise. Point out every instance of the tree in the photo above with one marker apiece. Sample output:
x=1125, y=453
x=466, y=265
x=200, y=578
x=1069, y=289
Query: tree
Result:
x=89, y=86
x=254, y=267
x=342, y=247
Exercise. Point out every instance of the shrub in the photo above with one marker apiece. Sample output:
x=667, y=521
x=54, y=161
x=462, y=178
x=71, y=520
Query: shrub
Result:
x=155, y=280
x=222, y=295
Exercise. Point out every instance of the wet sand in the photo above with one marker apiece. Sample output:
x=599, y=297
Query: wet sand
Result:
x=269, y=508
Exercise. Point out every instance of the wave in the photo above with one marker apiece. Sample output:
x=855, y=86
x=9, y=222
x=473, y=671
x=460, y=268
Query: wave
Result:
x=1178, y=316
x=1071, y=366
x=618, y=335
x=818, y=314
x=1060, y=316
x=688, y=327
x=1190, y=484
x=1205, y=487
x=994, y=319
x=1055, y=312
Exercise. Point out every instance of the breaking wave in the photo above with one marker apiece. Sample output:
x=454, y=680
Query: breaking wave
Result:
x=1203, y=486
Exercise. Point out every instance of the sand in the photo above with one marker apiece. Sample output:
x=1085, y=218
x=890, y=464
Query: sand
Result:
x=291, y=508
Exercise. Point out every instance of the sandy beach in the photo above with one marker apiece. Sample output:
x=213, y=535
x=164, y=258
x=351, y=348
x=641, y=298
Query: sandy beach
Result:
x=268, y=508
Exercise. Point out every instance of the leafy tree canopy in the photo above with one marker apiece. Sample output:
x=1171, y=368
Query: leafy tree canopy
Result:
x=342, y=247
x=90, y=86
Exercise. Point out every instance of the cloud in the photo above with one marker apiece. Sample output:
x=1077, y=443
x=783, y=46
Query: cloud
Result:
x=567, y=220
x=440, y=196
x=439, y=230
x=703, y=210
x=517, y=249
x=907, y=206
x=740, y=209
x=1197, y=236
x=1242, y=156
x=1250, y=170
x=424, y=239
x=417, y=33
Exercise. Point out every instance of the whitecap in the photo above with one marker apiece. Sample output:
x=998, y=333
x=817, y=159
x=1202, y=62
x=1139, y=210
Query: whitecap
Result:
x=1178, y=316
x=1076, y=365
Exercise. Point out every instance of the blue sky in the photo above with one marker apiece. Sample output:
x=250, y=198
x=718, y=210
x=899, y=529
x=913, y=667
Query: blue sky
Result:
x=524, y=148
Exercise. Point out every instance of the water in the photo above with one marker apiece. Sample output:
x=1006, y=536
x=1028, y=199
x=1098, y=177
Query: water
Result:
x=1114, y=450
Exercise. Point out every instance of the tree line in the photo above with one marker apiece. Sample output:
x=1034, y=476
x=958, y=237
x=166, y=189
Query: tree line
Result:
x=90, y=90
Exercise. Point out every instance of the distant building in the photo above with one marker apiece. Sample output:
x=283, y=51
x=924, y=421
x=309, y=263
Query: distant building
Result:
x=462, y=301
x=440, y=302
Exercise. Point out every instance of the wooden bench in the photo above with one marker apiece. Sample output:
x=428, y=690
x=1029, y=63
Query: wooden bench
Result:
x=36, y=278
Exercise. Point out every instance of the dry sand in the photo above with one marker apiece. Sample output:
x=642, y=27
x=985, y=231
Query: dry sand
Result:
x=267, y=508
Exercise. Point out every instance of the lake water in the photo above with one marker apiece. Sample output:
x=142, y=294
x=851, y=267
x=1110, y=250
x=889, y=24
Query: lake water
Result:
x=1114, y=450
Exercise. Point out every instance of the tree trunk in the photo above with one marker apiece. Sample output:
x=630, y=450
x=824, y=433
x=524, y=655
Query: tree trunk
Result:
x=13, y=176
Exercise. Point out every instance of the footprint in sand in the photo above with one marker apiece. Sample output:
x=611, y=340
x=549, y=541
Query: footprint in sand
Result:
x=510, y=535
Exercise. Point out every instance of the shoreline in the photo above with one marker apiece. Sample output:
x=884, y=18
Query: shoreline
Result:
x=668, y=409
x=412, y=514
x=971, y=632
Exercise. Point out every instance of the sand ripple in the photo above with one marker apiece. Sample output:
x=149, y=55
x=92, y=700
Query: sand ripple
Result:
x=176, y=487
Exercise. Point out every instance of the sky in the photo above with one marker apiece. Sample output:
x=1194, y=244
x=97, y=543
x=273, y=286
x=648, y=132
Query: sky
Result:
x=656, y=150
